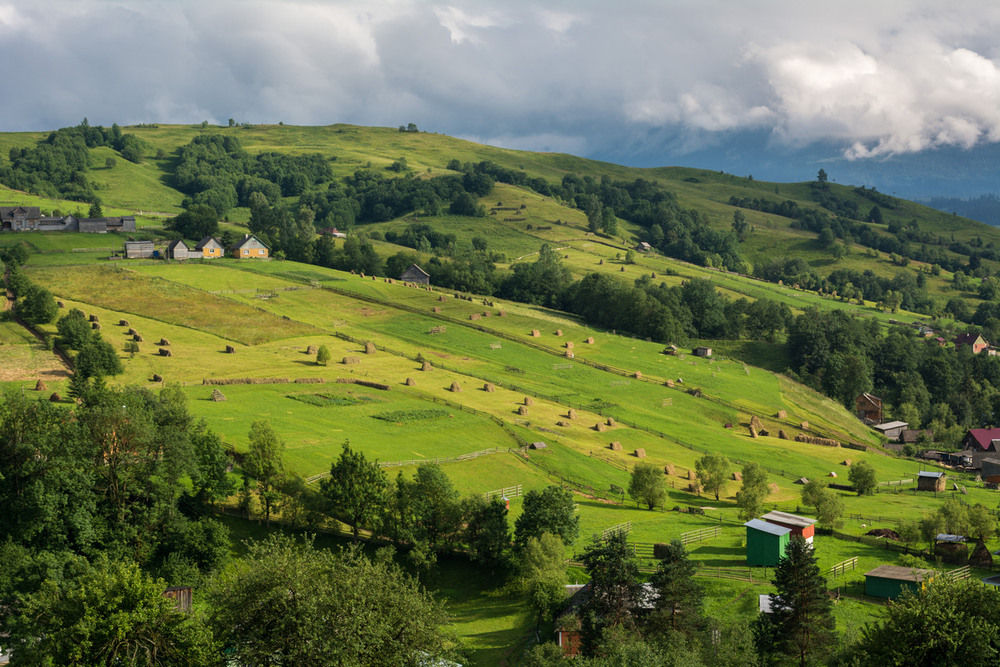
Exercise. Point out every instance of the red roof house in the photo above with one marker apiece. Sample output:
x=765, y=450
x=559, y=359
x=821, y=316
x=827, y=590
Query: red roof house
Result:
x=976, y=341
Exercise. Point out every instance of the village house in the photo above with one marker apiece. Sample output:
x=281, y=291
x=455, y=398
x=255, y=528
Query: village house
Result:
x=210, y=248
x=249, y=247
x=179, y=250
x=891, y=430
x=30, y=218
x=980, y=443
x=975, y=341
x=415, y=274
x=868, y=408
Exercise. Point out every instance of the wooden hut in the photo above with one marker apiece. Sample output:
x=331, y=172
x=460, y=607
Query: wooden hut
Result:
x=799, y=525
x=889, y=581
x=766, y=542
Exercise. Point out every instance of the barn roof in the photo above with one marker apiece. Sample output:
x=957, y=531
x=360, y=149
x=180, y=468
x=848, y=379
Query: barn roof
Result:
x=765, y=527
x=984, y=436
x=790, y=519
x=900, y=573
x=928, y=473
x=888, y=426
x=416, y=269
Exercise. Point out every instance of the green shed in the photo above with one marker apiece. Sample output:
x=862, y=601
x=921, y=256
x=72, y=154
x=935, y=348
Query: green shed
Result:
x=889, y=581
x=766, y=542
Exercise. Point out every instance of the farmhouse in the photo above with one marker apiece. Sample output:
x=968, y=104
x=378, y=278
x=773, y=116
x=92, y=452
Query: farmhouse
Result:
x=766, y=542
x=868, y=408
x=415, y=274
x=139, y=250
x=249, y=247
x=889, y=581
x=209, y=248
x=30, y=218
x=931, y=481
x=179, y=250
x=799, y=525
x=980, y=443
x=975, y=341
x=891, y=430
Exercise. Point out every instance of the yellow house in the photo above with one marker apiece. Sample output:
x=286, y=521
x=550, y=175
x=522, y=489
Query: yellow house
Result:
x=210, y=248
x=249, y=247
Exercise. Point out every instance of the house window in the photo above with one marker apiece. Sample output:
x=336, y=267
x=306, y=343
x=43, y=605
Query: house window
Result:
x=246, y=252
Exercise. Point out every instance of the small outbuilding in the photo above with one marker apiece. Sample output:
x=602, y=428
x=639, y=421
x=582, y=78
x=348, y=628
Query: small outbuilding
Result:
x=891, y=430
x=931, y=481
x=139, y=250
x=415, y=274
x=991, y=470
x=766, y=542
x=889, y=581
x=702, y=351
x=800, y=526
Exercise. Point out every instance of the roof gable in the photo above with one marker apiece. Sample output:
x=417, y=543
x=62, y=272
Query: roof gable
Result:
x=984, y=437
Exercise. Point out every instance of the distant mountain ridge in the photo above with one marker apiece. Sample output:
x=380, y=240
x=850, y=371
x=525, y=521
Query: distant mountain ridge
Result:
x=985, y=208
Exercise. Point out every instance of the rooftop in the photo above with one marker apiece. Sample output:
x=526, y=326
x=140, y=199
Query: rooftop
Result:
x=790, y=519
x=766, y=527
x=900, y=573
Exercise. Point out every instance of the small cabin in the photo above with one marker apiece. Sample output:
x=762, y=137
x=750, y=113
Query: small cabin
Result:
x=139, y=250
x=889, y=581
x=800, y=526
x=931, y=481
x=766, y=542
x=177, y=249
x=891, y=430
x=703, y=352
x=415, y=274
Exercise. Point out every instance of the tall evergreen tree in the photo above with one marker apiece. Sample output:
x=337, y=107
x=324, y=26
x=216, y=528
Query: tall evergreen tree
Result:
x=679, y=601
x=615, y=591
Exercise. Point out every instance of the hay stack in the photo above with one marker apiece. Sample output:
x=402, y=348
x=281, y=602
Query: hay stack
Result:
x=755, y=423
x=410, y=382
x=692, y=475
x=781, y=414
x=40, y=385
x=846, y=462
x=157, y=378
x=600, y=428
x=529, y=401
x=132, y=332
x=123, y=323
x=562, y=423
x=164, y=352
x=501, y=313
x=569, y=345
x=639, y=453
x=637, y=375
x=348, y=361
x=369, y=347
x=137, y=338
x=455, y=387
x=610, y=422
x=436, y=309
x=668, y=469
x=773, y=487
x=535, y=333
x=615, y=446
x=218, y=395
x=486, y=313
x=474, y=316
x=782, y=434
x=96, y=326
x=60, y=304
x=559, y=332
x=737, y=476
x=55, y=398
x=489, y=387
x=442, y=297
x=230, y=349
x=569, y=354
x=804, y=426
x=164, y=342
x=522, y=410
x=590, y=340
x=312, y=350
x=95, y=318
x=694, y=487
x=426, y=366
x=571, y=414
x=669, y=383
x=753, y=432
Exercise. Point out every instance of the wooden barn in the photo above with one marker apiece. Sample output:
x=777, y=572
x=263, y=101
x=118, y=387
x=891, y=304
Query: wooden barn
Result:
x=889, y=581
x=702, y=351
x=415, y=274
x=177, y=249
x=139, y=250
x=991, y=471
x=800, y=526
x=931, y=481
x=766, y=542
x=891, y=430
x=868, y=408
x=181, y=595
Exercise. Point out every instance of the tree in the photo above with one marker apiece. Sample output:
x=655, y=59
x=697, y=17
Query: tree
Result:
x=821, y=178
x=863, y=478
x=211, y=479
x=609, y=223
x=548, y=511
x=131, y=348
x=647, y=485
x=753, y=491
x=356, y=489
x=829, y=507
x=197, y=222
x=741, y=227
x=802, y=612
x=110, y=163
x=38, y=306
x=615, y=591
x=679, y=605
x=98, y=358
x=712, y=471
x=436, y=509
x=287, y=603
x=875, y=215
x=323, y=355
x=263, y=463
x=108, y=613
x=96, y=211
x=542, y=569
x=487, y=532
x=944, y=623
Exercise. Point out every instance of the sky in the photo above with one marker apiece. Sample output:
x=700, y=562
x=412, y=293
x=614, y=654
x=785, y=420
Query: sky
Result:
x=777, y=88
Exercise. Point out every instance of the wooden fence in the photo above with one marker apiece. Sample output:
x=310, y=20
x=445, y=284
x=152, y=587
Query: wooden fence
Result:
x=959, y=573
x=731, y=573
x=624, y=527
x=700, y=534
x=844, y=566
x=506, y=492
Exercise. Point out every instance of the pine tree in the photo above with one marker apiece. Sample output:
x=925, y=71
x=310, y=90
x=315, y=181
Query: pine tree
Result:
x=802, y=613
x=679, y=601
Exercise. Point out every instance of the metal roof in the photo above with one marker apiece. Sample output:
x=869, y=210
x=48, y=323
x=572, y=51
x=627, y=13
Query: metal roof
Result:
x=890, y=425
x=945, y=537
x=900, y=573
x=790, y=519
x=766, y=527
x=928, y=473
